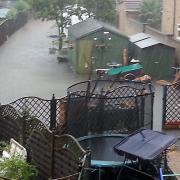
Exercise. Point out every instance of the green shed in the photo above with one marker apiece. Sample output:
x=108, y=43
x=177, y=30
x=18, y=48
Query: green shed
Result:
x=155, y=57
x=93, y=44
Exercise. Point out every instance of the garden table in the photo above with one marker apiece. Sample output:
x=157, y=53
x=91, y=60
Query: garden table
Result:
x=102, y=152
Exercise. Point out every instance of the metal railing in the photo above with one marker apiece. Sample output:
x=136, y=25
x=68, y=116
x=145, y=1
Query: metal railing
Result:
x=171, y=107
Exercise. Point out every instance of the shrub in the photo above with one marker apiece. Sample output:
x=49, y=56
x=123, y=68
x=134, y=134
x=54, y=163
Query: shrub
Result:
x=22, y=6
x=17, y=168
x=11, y=14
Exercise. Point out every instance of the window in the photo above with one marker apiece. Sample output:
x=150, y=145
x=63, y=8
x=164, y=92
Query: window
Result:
x=178, y=31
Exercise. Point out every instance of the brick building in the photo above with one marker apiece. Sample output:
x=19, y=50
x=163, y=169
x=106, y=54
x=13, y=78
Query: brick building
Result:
x=129, y=24
x=171, y=24
x=171, y=18
x=128, y=10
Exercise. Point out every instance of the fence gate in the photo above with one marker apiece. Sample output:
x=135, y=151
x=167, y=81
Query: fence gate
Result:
x=171, y=107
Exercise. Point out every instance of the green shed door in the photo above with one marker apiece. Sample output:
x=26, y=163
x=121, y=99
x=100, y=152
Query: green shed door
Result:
x=157, y=61
x=85, y=54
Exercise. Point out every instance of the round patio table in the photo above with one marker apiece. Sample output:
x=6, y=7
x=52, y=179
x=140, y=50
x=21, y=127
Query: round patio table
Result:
x=102, y=151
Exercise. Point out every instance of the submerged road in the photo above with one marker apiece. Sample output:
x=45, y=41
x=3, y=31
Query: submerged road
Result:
x=27, y=68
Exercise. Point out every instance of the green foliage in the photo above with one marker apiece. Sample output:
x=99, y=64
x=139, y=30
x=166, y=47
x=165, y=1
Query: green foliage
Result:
x=58, y=10
x=62, y=10
x=17, y=168
x=86, y=8
x=150, y=12
x=104, y=10
x=22, y=6
x=12, y=14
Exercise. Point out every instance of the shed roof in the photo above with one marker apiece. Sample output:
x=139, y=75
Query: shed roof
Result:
x=147, y=43
x=144, y=40
x=3, y=12
x=139, y=37
x=90, y=26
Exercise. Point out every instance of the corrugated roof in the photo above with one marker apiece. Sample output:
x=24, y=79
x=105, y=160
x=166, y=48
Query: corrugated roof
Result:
x=89, y=26
x=3, y=12
x=139, y=37
x=144, y=40
x=132, y=5
x=147, y=43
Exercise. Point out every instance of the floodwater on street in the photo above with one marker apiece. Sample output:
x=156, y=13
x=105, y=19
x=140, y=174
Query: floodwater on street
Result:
x=27, y=68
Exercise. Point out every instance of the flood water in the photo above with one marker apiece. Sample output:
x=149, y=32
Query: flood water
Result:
x=27, y=68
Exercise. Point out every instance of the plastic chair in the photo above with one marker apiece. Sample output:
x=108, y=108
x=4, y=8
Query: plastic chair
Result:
x=15, y=149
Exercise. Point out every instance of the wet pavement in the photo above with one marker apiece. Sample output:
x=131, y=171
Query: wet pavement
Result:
x=174, y=161
x=27, y=68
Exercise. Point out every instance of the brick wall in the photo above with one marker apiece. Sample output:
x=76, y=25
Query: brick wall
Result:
x=167, y=17
x=171, y=18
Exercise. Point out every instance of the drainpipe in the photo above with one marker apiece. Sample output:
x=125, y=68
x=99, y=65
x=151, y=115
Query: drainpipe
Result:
x=174, y=18
x=144, y=27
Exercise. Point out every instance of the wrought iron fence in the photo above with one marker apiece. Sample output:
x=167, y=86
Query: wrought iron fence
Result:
x=34, y=107
x=92, y=107
x=171, y=107
x=50, y=112
x=108, y=107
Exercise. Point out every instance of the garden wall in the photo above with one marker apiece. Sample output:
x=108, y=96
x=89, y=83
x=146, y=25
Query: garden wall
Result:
x=8, y=27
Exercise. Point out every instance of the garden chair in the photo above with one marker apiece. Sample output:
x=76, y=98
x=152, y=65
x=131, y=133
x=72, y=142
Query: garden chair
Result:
x=70, y=159
x=15, y=149
x=57, y=157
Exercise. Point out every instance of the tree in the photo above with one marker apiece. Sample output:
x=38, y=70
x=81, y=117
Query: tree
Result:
x=104, y=10
x=85, y=8
x=58, y=10
x=150, y=12
x=21, y=6
x=12, y=14
x=62, y=10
